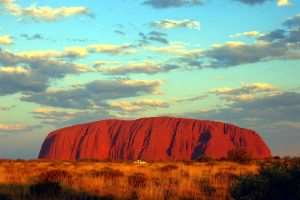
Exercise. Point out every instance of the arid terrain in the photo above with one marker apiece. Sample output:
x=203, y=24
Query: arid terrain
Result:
x=207, y=179
x=115, y=180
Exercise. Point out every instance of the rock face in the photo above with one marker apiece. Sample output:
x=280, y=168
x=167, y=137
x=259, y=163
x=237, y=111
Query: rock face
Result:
x=152, y=139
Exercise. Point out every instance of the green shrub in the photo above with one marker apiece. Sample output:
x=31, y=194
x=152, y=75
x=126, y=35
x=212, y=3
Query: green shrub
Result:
x=276, y=182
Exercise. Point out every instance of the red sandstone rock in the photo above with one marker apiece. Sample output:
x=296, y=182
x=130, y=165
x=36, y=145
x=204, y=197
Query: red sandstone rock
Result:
x=157, y=139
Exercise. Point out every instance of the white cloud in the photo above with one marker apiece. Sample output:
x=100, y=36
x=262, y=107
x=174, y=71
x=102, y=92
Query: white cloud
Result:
x=143, y=67
x=111, y=49
x=42, y=13
x=283, y=2
x=177, y=49
x=12, y=127
x=78, y=51
x=246, y=92
x=14, y=70
x=251, y=34
x=5, y=40
x=170, y=24
x=95, y=93
x=140, y=105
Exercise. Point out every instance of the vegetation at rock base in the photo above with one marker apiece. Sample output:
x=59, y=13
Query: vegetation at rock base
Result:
x=239, y=155
x=277, y=181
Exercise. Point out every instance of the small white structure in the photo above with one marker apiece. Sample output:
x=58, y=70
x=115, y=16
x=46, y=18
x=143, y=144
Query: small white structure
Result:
x=140, y=162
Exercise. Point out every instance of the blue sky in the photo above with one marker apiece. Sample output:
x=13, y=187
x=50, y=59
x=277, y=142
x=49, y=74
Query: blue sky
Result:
x=66, y=62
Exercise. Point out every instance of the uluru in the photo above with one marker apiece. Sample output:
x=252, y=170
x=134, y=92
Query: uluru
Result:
x=151, y=139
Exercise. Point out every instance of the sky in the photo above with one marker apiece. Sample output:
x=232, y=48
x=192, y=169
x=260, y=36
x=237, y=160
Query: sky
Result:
x=69, y=62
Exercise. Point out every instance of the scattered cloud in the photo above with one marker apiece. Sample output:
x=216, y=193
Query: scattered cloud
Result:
x=161, y=4
x=246, y=92
x=279, y=44
x=20, y=73
x=177, y=49
x=283, y=3
x=190, y=99
x=42, y=13
x=33, y=71
x=12, y=127
x=104, y=63
x=280, y=3
x=171, y=24
x=53, y=115
x=272, y=36
x=136, y=106
x=93, y=94
x=293, y=22
x=68, y=52
x=153, y=36
x=111, y=49
x=246, y=88
x=32, y=37
x=251, y=34
x=237, y=53
x=145, y=67
x=264, y=110
x=252, y=2
x=14, y=82
x=74, y=52
x=5, y=40
x=14, y=70
x=119, y=32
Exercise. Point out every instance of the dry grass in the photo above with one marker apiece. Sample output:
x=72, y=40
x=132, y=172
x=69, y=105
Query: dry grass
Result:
x=159, y=181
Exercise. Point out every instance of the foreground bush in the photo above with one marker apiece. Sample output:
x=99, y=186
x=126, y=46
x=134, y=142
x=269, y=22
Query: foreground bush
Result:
x=137, y=180
x=45, y=189
x=4, y=197
x=276, y=182
x=239, y=155
x=54, y=176
x=107, y=173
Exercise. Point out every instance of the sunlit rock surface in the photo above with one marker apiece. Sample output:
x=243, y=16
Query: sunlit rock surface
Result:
x=151, y=139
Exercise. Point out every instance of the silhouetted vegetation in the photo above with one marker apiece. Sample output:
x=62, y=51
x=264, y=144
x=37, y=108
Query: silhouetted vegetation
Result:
x=54, y=176
x=107, y=173
x=206, y=188
x=204, y=158
x=239, y=155
x=4, y=197
x=45, y=191
x=275, y=181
